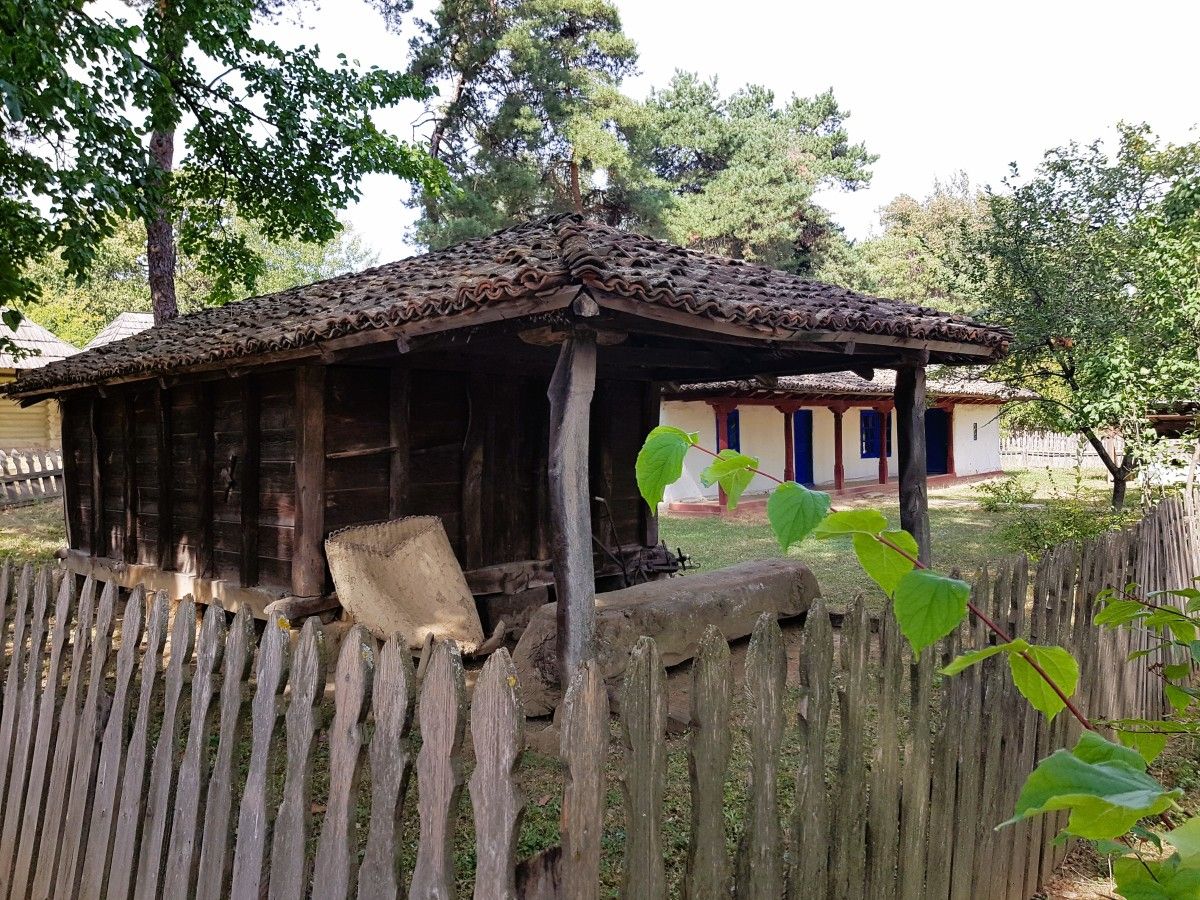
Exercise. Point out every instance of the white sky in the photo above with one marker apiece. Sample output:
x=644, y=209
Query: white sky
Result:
x=932, y=87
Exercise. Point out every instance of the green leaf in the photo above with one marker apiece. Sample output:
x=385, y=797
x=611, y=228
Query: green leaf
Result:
x=732, y=471
x=1105, y=787
x=1186, y=839
x=966, y=660
x=928, y=606
x=660, y=461
x=851, y=521
x=1183, y=630
x=794, y=511
x=882, y=563
x=1148, y=744
x=1194, y=647
x=1167, y=879
x=1058, y=664
x=1119, y=612
x=1179, y=698
x=1177, y=671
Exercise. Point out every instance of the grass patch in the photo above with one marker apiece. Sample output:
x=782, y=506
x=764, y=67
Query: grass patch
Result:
x=33, y=532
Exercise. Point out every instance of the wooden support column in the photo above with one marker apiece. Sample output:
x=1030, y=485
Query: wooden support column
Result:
x=884, y=434
x=99, y=538
x=910, y=423
x=479, y=401
x=651, y=410
x=308, y=557
x=570, y=394
x=128, y=481
x=251, y=433
x=205, y=456
x=950, y=470
x=164, y=446
x=789, y=443
x=839, y=454
x=722, y=409
x=398, y=469
x=70, y=476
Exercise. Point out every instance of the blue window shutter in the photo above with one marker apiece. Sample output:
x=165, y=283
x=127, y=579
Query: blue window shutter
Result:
x=733, y=431
x=868, y=434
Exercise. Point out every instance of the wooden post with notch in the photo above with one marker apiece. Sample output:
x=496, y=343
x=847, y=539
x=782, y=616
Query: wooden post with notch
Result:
x=99, y=543
x=789, y=442
x=570, y=395
x=308, y=560
x=164, y=442
x=251, y=432
x=839, y=454
x=910, y=434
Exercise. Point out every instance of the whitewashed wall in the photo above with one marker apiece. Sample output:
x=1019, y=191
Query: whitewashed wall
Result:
x=762, y=436
x=974, y=456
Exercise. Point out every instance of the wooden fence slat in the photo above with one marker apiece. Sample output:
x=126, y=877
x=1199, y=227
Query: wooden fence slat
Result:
x=112, y=745
x=914, y=813
x=127, y=827
x=43, y=740
x=990, y=875
x=643, y=722
x=883, y=822
x=64, y=746
x=971, y=742
x=847, y=870
x=17, y=660
x=289, y=862
x=87, y=734
x=253, y=826
x=498, y=736
x=583, y=747
x=810, y=819
x=216, y=858
x=442, y=714
x=333, y=868
x=182, y=846
x=760, y=851
x=391, y=763
x=162, y=766
x=941, y=833
x=707, y=869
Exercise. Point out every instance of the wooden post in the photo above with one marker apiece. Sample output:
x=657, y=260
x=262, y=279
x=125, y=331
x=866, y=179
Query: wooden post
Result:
x=205, y=452
x=839, y=455
x=70, y=476
x=99, y=541
x=164, y=445
x=950, y=469
x=398, y=435
x=789, y=443
x=914, y=496
x=308, y=559
x=884, y=434
x=128, y=483
x=570, y=395
x=251, y=433
x=722, y=410
x=651, y=410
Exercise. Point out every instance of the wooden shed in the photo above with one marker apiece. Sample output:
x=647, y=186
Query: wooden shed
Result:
x=30, y=426
x=213, y=454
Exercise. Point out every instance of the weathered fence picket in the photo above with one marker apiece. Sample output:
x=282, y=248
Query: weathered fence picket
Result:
x=27, y=476
x=898, y=782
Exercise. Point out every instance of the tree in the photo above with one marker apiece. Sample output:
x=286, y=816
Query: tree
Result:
x=95, y=105
x=741, y=171
x=532, y=115
x=920, y=253
x=118, y=278
x=1092, y=263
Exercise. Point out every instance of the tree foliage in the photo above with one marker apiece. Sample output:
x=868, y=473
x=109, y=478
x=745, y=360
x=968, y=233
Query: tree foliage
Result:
x=92, y=105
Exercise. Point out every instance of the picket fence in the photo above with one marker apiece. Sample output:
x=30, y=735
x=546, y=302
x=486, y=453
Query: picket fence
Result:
x=201, y=765
x=27, y=476
x=1048, y=449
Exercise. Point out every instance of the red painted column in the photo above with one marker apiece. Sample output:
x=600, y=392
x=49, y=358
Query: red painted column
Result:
x=722, y=410
x=883, y=442
x=789, y=444
x=839, y=462
x=950, y=470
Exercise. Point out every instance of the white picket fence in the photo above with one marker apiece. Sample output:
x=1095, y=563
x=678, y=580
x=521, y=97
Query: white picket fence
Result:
x=27, y=476
x=1047, y=449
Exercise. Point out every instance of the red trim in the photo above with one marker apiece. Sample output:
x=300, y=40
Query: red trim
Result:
x=950, y=439
x=789, y=446
x=839, y=452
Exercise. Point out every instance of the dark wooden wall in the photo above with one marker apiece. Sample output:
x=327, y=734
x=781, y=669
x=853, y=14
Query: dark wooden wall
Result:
x=200, y=478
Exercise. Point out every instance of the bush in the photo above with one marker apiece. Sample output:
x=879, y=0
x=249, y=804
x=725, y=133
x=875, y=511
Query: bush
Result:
x=1007, y=493
x=1058, y=520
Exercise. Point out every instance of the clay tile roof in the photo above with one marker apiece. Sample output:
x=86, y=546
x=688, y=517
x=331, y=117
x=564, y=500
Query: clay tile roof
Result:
x=519, y=262
x=125, y=325
x=42, y=344
x=951, y=384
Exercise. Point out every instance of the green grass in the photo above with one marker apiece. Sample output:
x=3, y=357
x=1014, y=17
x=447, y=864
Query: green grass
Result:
x=32, y=532
x=964, y=535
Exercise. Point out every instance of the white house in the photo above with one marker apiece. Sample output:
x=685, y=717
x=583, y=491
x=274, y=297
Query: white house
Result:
x=828, y=430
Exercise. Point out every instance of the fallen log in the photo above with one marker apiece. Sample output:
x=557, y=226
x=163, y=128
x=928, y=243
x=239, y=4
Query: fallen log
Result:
x=673, y=611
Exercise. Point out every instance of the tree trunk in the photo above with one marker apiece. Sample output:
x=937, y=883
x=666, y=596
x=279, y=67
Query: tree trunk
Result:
x=1120, y=483
x=576, y=192
x=160, y=236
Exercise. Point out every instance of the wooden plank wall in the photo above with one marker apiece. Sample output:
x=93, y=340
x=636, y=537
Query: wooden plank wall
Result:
x=116, y=809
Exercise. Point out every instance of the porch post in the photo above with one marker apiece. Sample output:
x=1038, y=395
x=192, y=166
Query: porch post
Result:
x=910, y=423
x=884, y=434
x=722, y=409
x=308, y=557
x=570, y=395
x=789, y=443
x=950, y=469
x=839, y=462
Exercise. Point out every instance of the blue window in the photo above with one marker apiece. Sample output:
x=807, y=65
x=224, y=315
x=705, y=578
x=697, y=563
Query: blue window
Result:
x=733, y=431
x=868, y=433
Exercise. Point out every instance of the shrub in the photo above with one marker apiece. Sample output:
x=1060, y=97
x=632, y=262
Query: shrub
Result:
x=1007, y=493
x=1035, y=530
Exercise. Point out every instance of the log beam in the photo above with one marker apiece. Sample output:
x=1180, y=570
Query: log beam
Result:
x=910, y=434
x=839, y=454
x=308, y=558
x=164, y=445
x=570, y=395
x=249, y=481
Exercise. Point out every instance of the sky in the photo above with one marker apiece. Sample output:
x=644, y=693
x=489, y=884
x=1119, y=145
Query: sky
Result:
x=932, y=87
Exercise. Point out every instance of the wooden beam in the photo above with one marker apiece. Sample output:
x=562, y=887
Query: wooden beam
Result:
x=99, y=543
x=789, y=444
x=950, y=467
x=570, y=395
x=722, y=409
x=70, y=475
x=479, y=401
x=251, y=435
x=885, y=432
x=163, y=447
x=839, y=453
x=129, y=478
x=205, y=477
x=308, y=543
x=399, y=463
x=651, y=411
x=914, y=497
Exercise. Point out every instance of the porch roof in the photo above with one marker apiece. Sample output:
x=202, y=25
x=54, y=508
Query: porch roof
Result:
x=968, y=388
